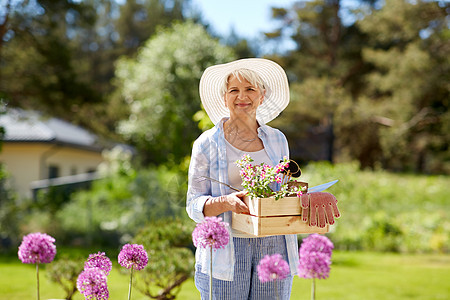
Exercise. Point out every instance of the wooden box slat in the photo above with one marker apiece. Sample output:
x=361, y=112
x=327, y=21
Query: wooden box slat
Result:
x=278, y=225
x=270, y=207
x=274, y=217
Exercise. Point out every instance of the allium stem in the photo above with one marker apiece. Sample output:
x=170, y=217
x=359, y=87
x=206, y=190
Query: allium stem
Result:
x=37, y=280
x=276, y=288
x=131, y=283
x=313, y=289
x=210, y=274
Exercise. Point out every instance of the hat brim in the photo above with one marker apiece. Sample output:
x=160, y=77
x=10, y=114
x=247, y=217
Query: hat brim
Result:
x=273, y=75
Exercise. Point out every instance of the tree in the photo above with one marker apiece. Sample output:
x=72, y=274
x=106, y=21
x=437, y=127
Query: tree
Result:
x=161, y=87
x=36, y=59
x=347, y=78
x=408, y=86
x=139, y=20
x=58, y=56
x=320, y=70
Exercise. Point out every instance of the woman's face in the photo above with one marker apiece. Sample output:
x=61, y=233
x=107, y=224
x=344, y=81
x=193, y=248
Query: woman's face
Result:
x=242, y=98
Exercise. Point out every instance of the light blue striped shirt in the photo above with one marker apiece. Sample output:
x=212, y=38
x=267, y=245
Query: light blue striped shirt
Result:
x=209, y=159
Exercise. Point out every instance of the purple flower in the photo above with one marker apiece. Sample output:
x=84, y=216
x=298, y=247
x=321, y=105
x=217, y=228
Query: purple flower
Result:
x=272, y=267
x=316, y=243
x=211, y=233
x=37, y=248
x=99, y=260
x=92, y=284
x=133, y=255
x=315, y=257
x=314, y=265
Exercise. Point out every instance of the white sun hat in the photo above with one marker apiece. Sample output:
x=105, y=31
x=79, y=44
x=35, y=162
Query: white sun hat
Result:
x=272, y=74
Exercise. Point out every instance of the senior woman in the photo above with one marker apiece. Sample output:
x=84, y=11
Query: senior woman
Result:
x=240, y=97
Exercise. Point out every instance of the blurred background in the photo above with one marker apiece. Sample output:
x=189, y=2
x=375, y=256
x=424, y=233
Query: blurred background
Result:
x=99, y=107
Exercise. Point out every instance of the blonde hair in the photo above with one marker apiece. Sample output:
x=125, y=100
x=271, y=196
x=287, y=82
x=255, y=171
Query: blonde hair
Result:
x=241, y=74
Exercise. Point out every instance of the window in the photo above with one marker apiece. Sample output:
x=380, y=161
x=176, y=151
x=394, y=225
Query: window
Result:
x=73, y=170
x=53, y=172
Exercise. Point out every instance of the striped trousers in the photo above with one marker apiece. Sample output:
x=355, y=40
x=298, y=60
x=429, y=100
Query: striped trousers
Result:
x=246, y=285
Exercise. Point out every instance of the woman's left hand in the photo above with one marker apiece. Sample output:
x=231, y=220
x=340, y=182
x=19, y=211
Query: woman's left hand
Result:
x=319, y=208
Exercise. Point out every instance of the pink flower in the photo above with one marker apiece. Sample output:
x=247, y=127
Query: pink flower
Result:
x=133, y=255
x=316, y=243
x=272, y=267
x=92, y=284
x=315, y=257
x=99, y=260
x=37, y=248
x=314, y=265
x=212, y=232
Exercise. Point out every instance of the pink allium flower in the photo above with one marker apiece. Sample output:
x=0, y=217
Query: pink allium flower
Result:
x=314, y=265
x=37, y=248
x=272, y=267
x=315, y=257
x=99, y=260
x=133, y=255
x=316, y=243
x=211, y=233
x=92, y=284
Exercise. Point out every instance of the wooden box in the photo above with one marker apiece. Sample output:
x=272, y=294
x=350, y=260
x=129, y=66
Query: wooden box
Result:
x=273, y=217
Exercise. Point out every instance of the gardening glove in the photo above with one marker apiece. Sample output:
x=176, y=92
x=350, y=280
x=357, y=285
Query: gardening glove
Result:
x=319, y=208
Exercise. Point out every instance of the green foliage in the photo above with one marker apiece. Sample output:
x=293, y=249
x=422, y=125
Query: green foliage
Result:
x=161, y=87
x=411, y=92
x=123, y=201
x=58, y=56
x=139, y=20
x=10, y=212
x=169, y=245
x=346, y=75
x=383, y=77
x=386, y=211
x=64, y=271
x=38, y=59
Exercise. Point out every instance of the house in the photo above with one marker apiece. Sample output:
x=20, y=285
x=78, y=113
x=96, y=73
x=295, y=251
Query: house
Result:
x=37, y=151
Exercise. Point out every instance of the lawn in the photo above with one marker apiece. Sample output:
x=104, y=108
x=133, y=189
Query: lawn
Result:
x=354, y=275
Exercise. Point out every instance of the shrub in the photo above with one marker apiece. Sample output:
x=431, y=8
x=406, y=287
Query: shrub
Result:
x=10, y=213
x=65, y=271
x=118, y=205
x=386, y=211
x=171, y=259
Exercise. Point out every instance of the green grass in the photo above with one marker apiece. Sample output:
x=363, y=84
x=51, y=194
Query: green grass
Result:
x=354, y=275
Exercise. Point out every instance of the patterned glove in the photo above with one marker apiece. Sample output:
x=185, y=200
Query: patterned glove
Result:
x=319, y=208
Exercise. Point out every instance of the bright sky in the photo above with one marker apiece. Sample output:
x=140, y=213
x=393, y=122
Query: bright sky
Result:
x=249, y=18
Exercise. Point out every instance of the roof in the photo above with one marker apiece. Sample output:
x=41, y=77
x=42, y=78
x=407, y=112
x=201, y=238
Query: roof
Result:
x=30, y=126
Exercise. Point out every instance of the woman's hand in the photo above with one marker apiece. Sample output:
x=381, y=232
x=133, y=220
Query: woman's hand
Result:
x=319, y=208
x=231, y=202
x=236, y=204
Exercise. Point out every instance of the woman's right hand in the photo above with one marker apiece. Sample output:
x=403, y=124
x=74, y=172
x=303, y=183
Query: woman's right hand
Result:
x=236, y=203
x=231, y=202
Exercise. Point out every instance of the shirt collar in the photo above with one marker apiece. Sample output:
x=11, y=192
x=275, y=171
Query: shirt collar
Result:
x=261, y=129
